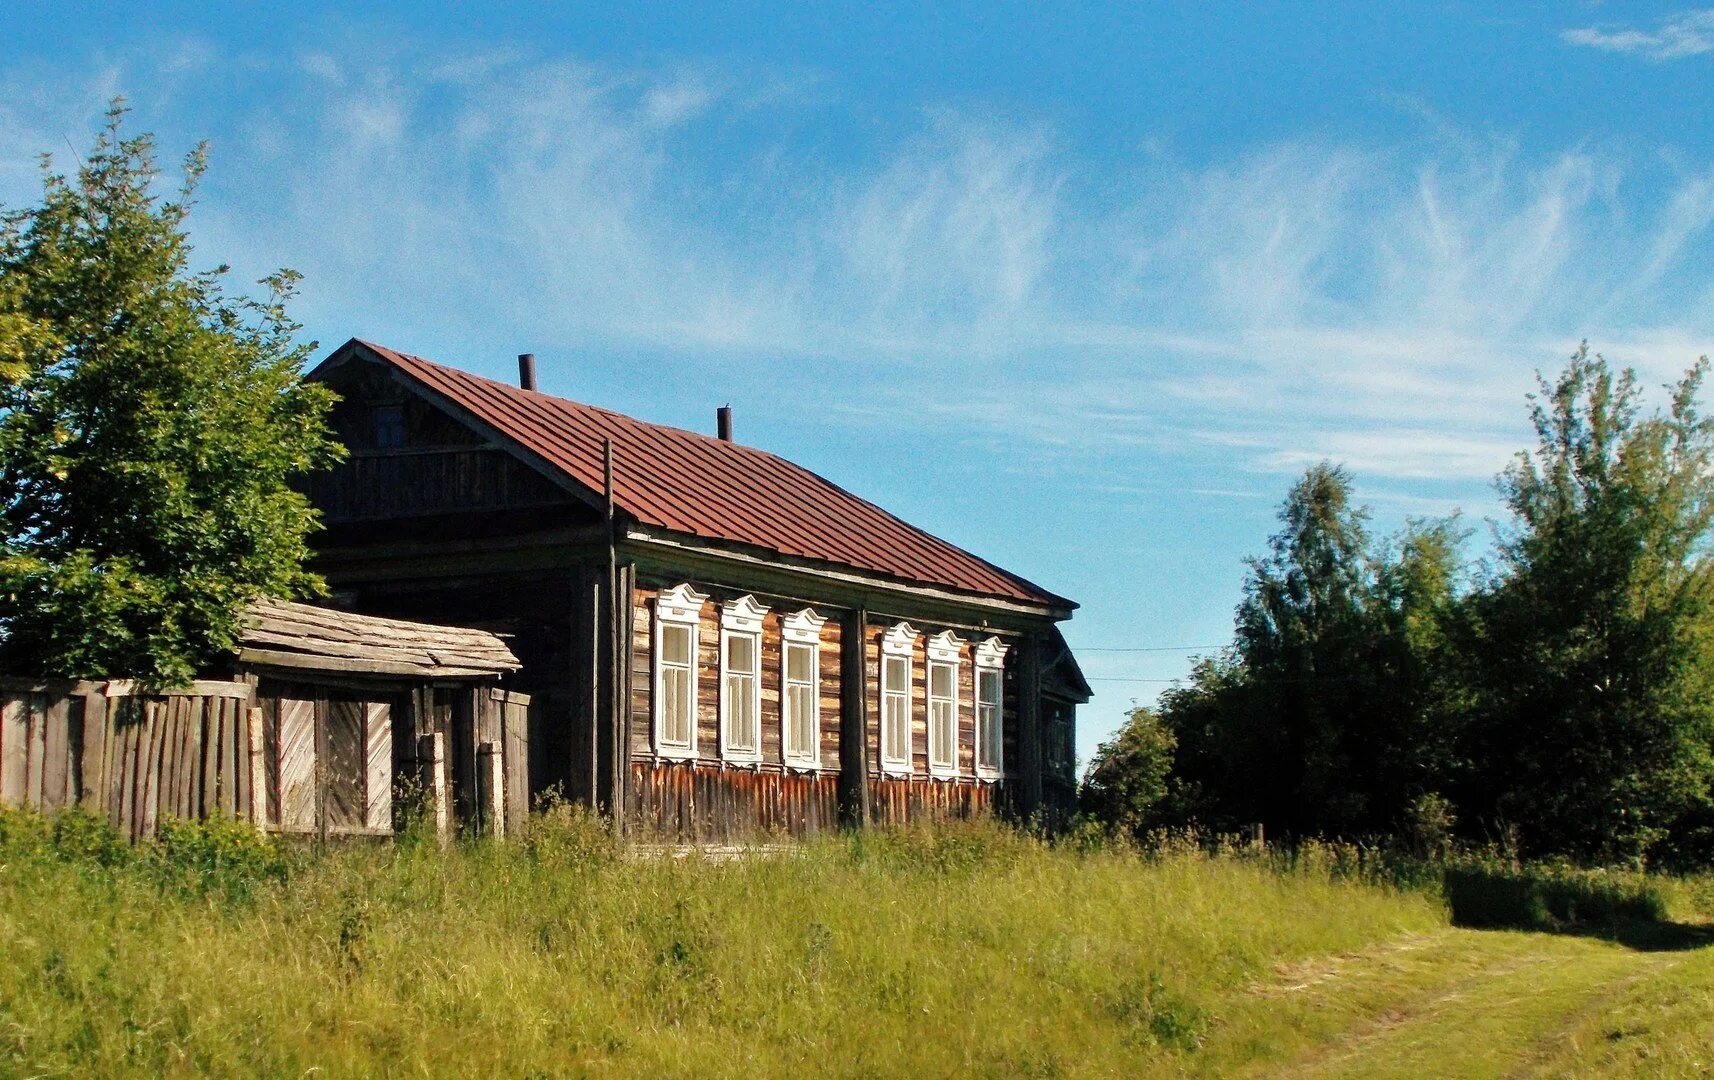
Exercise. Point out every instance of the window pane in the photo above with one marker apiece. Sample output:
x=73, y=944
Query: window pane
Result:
x=898, y=673
x=801, y=733
x=741, y=652
x=799, y=662
x=940, y=680
x=989, y=685
x=945, y=732
x=741, y=706
x=675, y=644
x=898, y=733
x=676, y=705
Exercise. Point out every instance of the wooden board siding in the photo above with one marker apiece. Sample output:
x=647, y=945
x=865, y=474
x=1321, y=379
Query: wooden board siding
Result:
x=708, y=680
x=919, y=702
x=897, y=801
x=693, y=802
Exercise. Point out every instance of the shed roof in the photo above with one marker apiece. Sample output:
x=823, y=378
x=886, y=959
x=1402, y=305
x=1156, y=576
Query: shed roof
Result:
x=706, y=487
x=283, y=634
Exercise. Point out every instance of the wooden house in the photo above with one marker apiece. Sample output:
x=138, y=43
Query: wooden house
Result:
x=717, y=643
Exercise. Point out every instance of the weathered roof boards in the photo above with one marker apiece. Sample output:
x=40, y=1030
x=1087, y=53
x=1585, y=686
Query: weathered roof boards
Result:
x=575, y=533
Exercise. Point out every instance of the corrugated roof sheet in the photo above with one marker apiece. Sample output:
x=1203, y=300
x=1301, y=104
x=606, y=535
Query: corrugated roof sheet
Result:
x=706, y=487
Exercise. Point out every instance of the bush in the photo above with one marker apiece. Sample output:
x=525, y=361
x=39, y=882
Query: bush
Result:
x=1491, y=894
x=221, y=857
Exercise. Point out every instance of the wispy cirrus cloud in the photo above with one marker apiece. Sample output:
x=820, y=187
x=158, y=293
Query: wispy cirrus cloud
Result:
x=1688, y=33
x=967, y=272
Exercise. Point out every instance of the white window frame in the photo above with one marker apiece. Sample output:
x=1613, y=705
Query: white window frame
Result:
x=801, y=630
x=898, y=642
x=679, y=606
x=991, y=657
x=741, y=618
x=945, y=650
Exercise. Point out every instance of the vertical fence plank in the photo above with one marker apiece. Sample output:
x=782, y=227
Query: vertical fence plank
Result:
x=258, y=766
x=56, y=760
x=13, y=750
x=37, y=739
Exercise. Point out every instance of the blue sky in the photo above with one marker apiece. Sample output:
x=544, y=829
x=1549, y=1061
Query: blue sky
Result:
x=1079, y=290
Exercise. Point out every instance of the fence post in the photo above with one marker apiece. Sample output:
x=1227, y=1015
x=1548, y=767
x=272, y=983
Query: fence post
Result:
x=431, y=754
x=258, y=772
x=490, y=790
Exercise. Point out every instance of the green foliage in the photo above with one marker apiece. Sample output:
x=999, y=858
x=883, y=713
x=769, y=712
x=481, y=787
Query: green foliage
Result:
x=1595, y=659
x=1492, y=894
x=151, y=425
x=1330, y=713
x=1564, y=699
x=1126, y=783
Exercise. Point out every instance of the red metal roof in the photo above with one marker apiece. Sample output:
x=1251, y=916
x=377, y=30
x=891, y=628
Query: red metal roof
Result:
x=706, y=487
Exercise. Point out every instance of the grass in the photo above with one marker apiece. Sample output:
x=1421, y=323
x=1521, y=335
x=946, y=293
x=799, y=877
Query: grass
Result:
x=968, y=950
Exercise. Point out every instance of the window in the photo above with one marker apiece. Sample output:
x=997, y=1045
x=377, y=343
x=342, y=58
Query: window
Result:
x=943, y=658
x=990, y=714
x=388, y=423
x=896, y=648
x=740, y=680
x=678, y=614
x=800, y=697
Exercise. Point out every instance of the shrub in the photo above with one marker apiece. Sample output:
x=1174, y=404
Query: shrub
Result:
x=1493, y=894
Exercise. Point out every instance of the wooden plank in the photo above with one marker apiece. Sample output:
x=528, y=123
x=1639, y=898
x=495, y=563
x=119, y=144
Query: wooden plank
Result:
x=378, y=773
x=37, y=741
x=56, y=754
x=297, y=765
x=196, y=688
x=228, y=764
x=256, y=749
x=14, y=749
x=277, y=658
x=148, y=770
x=431, y=753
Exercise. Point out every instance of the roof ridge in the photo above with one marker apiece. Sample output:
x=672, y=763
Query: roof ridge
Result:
x=688, y=482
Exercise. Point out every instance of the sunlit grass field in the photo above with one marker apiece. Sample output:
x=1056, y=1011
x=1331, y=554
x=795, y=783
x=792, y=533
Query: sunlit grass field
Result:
x=964, y=950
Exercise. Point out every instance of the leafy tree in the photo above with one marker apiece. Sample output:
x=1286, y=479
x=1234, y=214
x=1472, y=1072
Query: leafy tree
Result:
x=1599, y=680
x=150, y=428
x=1332, y=711
x=1127, y=779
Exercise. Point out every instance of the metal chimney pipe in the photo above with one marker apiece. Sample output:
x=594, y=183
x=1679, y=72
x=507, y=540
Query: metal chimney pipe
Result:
x=527, y=370
x=723, y=422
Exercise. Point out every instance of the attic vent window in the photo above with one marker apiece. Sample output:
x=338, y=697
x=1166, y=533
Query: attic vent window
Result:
x=387, y=426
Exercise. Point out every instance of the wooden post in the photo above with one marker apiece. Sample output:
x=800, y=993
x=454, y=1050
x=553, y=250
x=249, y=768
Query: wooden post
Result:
x=431, y=755
x=258, y=769
x=624, y=661
x=854, y=721
x=491, y=790
x=1029, y=781
x=92, y=764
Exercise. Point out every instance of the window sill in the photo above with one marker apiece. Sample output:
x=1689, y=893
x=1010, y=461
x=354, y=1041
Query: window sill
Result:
x=676, y=753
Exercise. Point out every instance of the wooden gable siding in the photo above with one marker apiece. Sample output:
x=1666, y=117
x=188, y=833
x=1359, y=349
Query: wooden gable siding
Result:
x=438, y=466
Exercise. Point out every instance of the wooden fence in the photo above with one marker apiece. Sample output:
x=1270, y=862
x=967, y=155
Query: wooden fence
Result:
x=222, y=748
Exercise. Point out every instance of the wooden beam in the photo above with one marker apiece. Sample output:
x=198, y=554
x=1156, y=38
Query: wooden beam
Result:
x=1028, y=791
x=853, y=722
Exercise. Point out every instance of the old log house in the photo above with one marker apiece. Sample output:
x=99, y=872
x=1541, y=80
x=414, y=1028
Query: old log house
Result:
x=718, y=644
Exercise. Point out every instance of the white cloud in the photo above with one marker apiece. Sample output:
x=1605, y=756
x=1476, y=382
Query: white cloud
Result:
x=971, y=274
x=1689, y=33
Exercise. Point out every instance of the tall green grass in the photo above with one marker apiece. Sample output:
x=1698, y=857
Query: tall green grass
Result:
x=963, y=949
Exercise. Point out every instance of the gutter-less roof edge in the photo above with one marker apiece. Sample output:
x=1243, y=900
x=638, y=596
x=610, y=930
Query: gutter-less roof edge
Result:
x=709, y=490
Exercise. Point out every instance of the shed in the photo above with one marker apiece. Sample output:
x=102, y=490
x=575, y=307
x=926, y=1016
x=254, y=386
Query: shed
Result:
x=326, y=723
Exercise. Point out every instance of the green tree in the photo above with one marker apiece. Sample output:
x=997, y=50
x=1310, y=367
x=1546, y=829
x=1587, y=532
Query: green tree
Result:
x=1598, y=675
x=1332, y=712
x=150, y=429
x=1127, y=779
